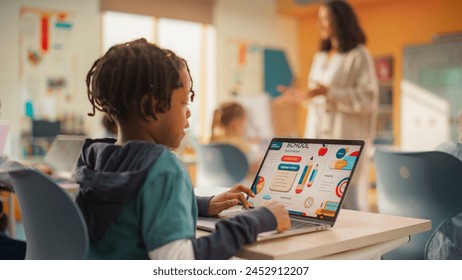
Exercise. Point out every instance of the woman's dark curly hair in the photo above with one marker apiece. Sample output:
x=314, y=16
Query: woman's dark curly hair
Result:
x=345, y=27
x=117, y=82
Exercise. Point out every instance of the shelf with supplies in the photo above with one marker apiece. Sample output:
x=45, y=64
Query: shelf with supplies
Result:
x=384, y=128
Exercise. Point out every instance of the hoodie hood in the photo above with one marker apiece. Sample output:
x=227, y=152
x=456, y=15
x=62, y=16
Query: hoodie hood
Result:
x=109, y=175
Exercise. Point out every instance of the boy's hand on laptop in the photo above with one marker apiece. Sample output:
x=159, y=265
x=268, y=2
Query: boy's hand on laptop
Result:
x=229, y=199
x=280, y=213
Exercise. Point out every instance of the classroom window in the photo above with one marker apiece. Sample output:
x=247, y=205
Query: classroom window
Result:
x=123, y=27
x=193, y=41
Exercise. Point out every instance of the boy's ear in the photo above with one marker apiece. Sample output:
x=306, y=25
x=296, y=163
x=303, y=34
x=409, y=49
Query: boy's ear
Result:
x=147, y=107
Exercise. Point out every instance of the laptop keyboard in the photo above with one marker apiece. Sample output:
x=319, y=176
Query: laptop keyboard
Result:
x=295, y=224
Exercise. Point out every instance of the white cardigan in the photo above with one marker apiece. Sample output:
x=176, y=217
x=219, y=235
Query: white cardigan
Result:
x=348, y=111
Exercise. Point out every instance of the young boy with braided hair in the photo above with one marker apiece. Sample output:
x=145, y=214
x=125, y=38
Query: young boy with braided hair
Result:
x=135, y=195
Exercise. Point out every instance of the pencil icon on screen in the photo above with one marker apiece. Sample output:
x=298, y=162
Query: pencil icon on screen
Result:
x=306, y=171
x=313, y=174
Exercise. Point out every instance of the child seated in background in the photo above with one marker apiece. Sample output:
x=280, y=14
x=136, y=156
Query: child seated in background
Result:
x=135, y=195
x=451, y=147
x=229, y=126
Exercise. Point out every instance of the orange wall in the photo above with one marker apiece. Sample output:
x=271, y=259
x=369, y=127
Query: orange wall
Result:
x=389, y=25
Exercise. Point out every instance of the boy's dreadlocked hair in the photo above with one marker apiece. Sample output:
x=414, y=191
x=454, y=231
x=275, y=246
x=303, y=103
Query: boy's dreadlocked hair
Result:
x=117, y=81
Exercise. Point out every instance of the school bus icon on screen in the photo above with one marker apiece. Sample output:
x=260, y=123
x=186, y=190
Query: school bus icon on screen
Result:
x=327, y=210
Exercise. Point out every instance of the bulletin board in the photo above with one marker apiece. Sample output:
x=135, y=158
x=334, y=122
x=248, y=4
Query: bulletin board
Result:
x=47, y=63
x=47, y=77
x=256, y=72
x=245, y=63
x=277, y=71
x=257, y=68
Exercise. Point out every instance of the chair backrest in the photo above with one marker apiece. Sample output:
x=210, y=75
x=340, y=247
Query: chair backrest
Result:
x=54, y=226
x=220, y=165
x=425, y=185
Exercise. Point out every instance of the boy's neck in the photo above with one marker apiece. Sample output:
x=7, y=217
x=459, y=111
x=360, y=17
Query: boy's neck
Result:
x=133, y=131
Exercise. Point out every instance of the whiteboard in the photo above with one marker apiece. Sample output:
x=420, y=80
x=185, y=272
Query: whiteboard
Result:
x=431, y=94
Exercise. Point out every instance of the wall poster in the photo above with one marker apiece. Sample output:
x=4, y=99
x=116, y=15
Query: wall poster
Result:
x=47, y=73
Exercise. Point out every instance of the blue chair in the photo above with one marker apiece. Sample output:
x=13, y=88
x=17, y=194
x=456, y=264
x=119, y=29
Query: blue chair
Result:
x=54, y=226
x=425, y=185
x=220, y=165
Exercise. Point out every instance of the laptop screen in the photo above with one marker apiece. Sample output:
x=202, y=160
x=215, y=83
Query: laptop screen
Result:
x=309, y=176
x=64, y=152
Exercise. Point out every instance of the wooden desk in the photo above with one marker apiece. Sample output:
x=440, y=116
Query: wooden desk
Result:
x=356, y=235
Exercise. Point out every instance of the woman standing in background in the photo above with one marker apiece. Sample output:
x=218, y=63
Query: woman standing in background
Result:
x=342, y=90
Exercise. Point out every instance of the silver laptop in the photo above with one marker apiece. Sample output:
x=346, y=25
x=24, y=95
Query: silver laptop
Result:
x=309, y=176
x=63, y=154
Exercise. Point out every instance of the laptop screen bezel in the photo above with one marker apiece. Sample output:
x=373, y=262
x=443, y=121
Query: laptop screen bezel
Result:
x=359, y=143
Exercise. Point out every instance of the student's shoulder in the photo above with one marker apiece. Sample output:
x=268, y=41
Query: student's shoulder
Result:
x=167, y=162
x=155, y=156
x=165, y=171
